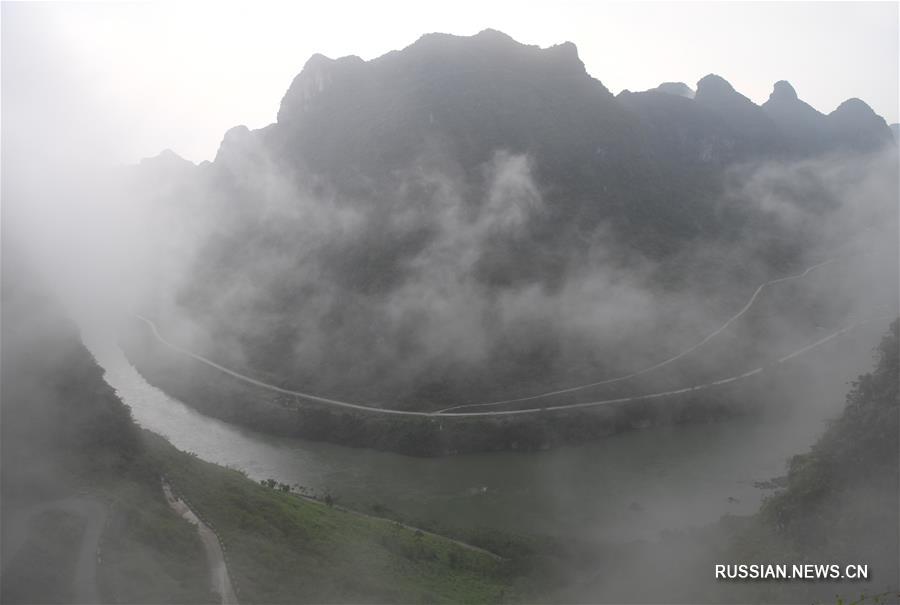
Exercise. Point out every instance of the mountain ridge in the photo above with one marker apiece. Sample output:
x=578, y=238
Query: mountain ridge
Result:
x=852, y=125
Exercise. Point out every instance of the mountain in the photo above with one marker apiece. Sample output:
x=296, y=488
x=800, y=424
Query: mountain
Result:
x=452, y=102
x=751, y=126
x=679, y=89
x=408, y=229
x=856, y=127
x=806, y=127
x=472, y=94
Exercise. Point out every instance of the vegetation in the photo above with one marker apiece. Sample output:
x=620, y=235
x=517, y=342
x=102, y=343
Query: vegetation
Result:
x=842, y=497
x=838, y=505
x=283, y=548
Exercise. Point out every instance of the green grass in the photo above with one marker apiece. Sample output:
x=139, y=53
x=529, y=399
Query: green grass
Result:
x=285, y=549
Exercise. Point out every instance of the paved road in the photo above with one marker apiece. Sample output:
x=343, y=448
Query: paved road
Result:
x=219, y=580
x=272, y=387
x=454, y=411
x=699, y=387
x=448, y=413
x=94, y=513
x=658, y=365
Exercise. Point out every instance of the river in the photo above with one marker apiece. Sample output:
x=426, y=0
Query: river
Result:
x=632, y=485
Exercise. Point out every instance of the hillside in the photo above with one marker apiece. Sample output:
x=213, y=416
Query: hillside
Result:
x=837, y=504
x=841, y=498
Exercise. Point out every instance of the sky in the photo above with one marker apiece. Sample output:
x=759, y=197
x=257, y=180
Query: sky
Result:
x=127, y=80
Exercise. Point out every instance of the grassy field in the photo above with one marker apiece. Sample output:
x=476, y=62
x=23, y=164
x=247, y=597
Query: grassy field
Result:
x=285, y=549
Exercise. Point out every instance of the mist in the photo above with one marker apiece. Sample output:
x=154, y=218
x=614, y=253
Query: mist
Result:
x=467, y=225
x=434, y=291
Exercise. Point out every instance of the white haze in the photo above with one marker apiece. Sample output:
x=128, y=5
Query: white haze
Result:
x=608, y=315
x=107, y=255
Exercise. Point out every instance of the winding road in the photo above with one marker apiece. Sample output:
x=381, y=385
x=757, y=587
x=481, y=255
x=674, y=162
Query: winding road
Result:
x=586, y=404
x=450, y=412
x=661, y=364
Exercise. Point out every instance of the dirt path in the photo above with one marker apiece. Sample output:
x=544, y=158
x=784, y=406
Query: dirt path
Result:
x=219, y=580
